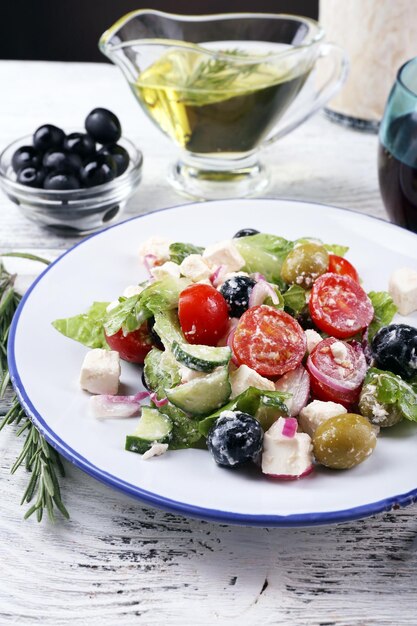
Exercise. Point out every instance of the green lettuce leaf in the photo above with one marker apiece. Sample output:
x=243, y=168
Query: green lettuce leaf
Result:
x=384, y=311
x=391, y=389
x=162, y=295
x=179, y=251
x=87, y=328
x=294, y=299
x=265, y=254
x=185, y=432
x=334, y=248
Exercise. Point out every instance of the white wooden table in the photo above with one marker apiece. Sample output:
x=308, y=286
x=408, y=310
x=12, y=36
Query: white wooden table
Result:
x=117, y=561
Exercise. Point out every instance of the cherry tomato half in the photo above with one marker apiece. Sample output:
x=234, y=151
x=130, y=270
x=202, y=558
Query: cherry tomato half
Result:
x=339, y=306
x=339, y=265
x=269, y=341
x=134, y=346
x=337, y=370
x=203, y=314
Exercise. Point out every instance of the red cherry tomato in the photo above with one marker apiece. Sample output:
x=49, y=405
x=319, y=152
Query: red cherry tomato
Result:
x=132, y=347
x=269, y=341
x=339, y=306
x=203, y=314
x=336, y=377
x=339, y=265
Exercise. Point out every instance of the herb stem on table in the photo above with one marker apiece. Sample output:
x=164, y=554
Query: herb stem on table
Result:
x=39, y=458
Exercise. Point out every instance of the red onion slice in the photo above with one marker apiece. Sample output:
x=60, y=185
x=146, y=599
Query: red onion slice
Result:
x=289, y=427
x=340, y=386
x=149, y=262
x=257, y=276
x=106, y=406
x=296, y=382
x=260, y=292
x=215, y=277
x=233, y=322
x=229, y=342
x=154, y=398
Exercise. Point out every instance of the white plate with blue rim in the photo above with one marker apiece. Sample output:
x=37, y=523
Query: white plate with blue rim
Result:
x=45, y=367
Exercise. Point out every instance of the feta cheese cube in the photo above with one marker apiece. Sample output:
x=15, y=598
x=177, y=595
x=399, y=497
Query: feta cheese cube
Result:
x=313, y=338
x=188, y=374
x=283, y=455
x=155, y=450
x=245, y=377
x=157, y=247
x=132, y=290
x=166, y=269
x=195, y=268
x=340, y=353
x=100, y=371
x=317, y=412
x=226, y=254
x=233, y=275
x=403, y=290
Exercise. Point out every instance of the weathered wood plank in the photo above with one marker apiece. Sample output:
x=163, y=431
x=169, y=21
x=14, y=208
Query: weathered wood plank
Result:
x=118, y=561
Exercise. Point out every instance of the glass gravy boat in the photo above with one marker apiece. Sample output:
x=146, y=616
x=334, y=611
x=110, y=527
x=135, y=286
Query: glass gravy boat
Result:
x=218, y=86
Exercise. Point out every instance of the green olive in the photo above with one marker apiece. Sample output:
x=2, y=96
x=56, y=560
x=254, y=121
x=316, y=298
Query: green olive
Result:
x=304, y=264
x=344, y=441
x=383, y=415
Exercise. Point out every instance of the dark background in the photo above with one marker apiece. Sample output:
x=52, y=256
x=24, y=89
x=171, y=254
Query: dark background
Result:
x=68, y=30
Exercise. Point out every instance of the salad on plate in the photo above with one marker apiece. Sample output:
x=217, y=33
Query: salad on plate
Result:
x=259, y=349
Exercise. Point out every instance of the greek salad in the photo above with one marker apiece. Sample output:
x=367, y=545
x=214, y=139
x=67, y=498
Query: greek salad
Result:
x=258, y=349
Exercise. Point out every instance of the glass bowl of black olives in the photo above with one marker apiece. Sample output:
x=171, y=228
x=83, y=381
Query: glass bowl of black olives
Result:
x=75, y=182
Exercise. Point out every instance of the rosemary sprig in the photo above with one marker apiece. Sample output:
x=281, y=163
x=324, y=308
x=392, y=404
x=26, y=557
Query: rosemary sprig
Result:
x=39, y=458
x=219, y=73
x=211, y=78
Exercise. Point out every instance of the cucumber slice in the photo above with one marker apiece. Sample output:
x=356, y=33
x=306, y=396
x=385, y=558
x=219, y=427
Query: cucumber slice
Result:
x=168, y=328
x=202, y=396
x=153, y=427
x=161, y=370
x=201, y=358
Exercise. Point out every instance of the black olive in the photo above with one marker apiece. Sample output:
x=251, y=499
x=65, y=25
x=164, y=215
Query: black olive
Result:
x=246, y=232
x=25, y=156
x=236, y=291
x=81, y=144
x=103, y=126
x=47, y=137
x=394, y=348
x=101, y=169
x=235, y=438
x=154, y=335
x=120, y=156
x=59, y=160
x=61, y=181
x=144, y=383
x=30, y=176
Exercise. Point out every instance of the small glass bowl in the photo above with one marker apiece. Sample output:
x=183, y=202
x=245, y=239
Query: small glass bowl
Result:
x=72, y=211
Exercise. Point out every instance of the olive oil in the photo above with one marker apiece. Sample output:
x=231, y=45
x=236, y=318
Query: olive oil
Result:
x=217, y=104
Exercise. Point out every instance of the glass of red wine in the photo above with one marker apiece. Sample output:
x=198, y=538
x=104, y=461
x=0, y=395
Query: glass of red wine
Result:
x=397, y=151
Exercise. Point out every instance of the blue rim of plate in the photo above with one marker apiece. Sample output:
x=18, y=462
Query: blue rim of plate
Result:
x=161, y=502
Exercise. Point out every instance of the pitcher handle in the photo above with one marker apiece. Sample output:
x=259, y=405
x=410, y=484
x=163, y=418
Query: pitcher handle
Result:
x=322, y=95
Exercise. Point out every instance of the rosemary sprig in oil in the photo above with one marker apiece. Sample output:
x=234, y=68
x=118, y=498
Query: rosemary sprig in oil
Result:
x=219, y=73
x=39, y=458
x=215, y=76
